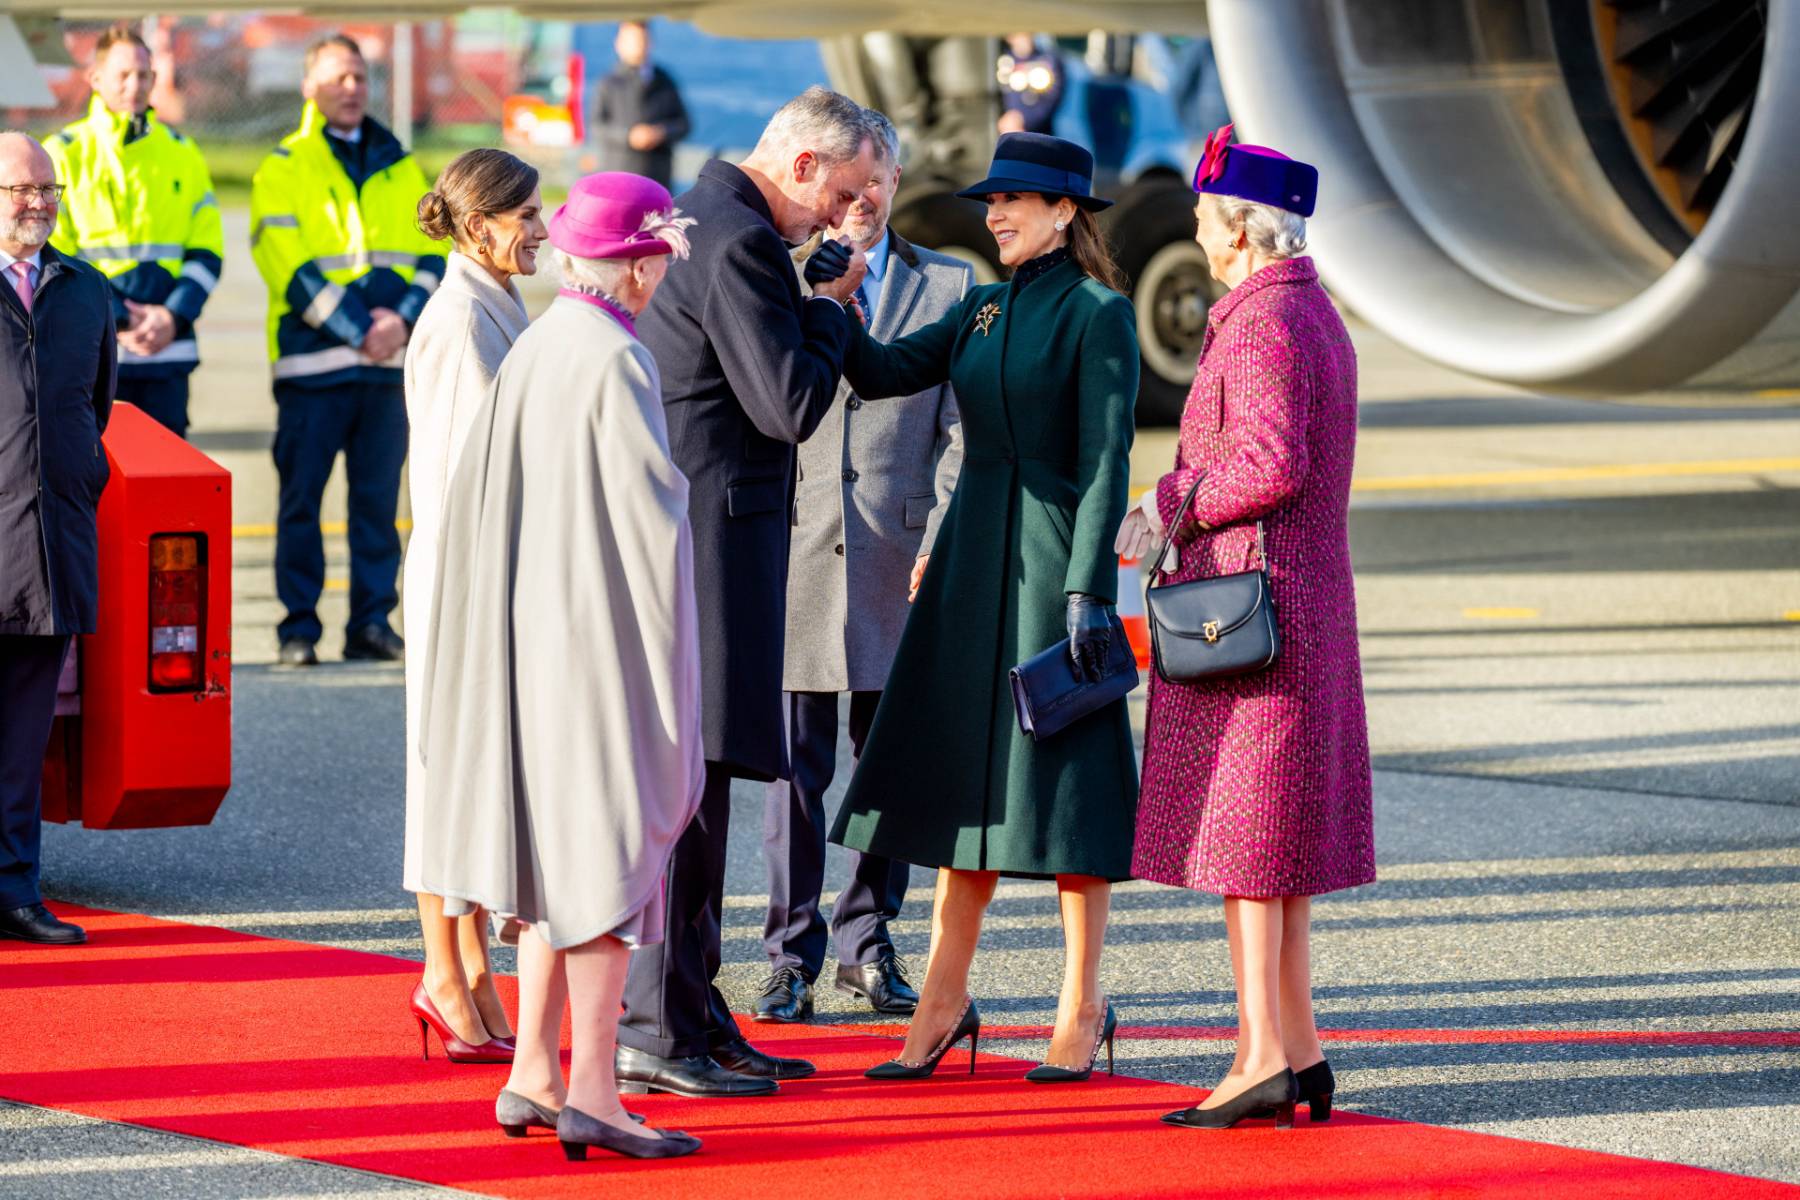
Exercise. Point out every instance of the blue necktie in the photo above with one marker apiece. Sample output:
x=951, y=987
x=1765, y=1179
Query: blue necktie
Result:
x=867, y=305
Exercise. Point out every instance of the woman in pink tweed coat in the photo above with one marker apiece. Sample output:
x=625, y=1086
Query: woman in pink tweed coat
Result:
x=1256, y=788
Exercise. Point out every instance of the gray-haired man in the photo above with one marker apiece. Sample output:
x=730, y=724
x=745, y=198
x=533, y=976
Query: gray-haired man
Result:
x=874, y=482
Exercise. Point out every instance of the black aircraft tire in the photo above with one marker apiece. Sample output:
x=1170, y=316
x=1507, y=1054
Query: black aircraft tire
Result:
x=1152, y=235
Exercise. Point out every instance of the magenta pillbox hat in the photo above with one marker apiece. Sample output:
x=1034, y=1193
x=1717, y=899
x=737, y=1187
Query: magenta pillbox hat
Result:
x=1256, y=173
x=605, y=215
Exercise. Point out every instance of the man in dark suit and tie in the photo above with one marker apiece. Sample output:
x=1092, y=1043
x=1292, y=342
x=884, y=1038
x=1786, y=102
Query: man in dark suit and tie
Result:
x=58, y=368
x=749, y=368
x=875, y=480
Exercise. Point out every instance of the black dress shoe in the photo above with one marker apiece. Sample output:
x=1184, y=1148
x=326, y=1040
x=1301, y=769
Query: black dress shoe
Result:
x=374, y=643
x=785, y=999
x=298, y=652
x=740, y=1056
x=34, y=923
x=698, y=1078
x=882, y=983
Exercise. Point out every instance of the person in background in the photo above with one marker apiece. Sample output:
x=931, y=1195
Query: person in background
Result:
x=874, y=482
x=486, y=203
x=335, y=235
x=638, y=115
x=58, y=363
x=1256, y=787
x=1031, y=85
x=562, y=677
x=140, y=208
x=749, y=369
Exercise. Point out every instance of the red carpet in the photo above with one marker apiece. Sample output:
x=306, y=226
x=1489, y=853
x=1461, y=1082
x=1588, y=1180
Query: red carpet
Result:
x=308, y=1051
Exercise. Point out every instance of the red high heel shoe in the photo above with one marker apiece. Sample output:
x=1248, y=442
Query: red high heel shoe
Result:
x=494, y=1050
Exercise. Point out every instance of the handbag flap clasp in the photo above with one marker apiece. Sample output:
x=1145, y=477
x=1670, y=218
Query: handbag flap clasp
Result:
x=1212, y=611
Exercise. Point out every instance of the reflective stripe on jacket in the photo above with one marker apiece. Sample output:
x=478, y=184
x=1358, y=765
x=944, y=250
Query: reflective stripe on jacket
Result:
x=331, y=249
x=140, y=209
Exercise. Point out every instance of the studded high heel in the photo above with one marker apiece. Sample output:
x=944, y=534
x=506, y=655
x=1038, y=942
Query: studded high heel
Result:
x=967, y=1026
x=1047, y=1073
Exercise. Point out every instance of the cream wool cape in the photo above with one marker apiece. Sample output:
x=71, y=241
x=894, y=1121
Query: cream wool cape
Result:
x=562, y=676
x=466, y=328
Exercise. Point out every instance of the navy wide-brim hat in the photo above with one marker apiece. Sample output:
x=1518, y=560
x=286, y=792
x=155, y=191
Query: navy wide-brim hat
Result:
x=1037, y=162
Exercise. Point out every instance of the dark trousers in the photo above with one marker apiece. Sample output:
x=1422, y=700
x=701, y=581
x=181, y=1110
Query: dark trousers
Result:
x=672, y=1008
x=794, y=848
x=367, y=423
x=29, y=669
x=166, y=400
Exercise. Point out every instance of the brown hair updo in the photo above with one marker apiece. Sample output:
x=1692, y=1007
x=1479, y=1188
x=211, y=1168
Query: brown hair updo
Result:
x=477, y=181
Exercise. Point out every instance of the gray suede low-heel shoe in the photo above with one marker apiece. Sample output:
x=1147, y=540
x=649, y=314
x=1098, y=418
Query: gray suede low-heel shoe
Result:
x=577, y=1131
x=516, y=1114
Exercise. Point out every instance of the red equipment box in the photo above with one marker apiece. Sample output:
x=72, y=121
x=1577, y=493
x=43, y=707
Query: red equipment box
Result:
x=146, y=742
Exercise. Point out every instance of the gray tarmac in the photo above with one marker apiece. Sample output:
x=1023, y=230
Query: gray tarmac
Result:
x=1581, y=638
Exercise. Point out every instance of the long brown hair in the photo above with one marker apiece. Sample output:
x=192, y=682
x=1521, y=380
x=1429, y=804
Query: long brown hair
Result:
x=1089, y=249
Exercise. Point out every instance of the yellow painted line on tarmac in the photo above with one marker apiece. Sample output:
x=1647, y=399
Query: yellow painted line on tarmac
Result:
x=1501, y=614
x=337, y=585
x=1667, y=470
x=1792, y=614
x=1779, y=394
x=325, y=527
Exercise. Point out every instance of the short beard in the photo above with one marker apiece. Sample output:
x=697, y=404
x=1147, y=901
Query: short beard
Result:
x=24, y=230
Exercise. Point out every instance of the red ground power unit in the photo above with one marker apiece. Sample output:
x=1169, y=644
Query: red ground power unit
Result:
x=142, y=738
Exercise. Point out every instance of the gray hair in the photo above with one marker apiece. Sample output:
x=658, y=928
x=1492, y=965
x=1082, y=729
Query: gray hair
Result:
x=602, y=276
x=833, y=127
x=1273, y=232
x=887, y=138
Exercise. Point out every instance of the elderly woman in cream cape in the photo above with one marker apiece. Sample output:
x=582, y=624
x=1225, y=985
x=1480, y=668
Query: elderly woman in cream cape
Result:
x=562, y=703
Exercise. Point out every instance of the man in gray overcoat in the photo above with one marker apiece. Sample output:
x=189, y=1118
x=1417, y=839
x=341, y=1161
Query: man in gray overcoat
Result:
x=874, y=482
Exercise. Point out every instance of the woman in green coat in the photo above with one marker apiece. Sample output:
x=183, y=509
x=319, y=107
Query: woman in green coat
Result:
x=1046, y=373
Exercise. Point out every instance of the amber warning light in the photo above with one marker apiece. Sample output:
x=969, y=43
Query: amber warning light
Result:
x=177, y=611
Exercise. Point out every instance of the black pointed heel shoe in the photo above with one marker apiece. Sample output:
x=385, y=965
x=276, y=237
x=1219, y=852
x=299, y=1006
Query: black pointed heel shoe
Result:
x=967, y=1026
x=1277, y=1094
x=577, y=1131
x=1047, y=1073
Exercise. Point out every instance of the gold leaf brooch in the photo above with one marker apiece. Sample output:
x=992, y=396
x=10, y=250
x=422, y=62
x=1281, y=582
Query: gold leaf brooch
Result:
x=984, y=319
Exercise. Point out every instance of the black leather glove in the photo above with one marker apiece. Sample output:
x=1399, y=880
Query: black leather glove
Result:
x=1090, y=635
x=827, y=263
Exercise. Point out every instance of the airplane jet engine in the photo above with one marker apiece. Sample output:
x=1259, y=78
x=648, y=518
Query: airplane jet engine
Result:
x=1590, y=196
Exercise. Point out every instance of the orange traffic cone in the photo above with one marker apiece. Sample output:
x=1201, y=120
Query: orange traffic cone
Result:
x=1131, y=610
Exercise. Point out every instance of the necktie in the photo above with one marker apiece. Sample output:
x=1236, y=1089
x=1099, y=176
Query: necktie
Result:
x=862, y=300
x=22, y=283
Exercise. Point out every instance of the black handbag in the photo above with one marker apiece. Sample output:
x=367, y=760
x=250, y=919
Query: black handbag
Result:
x=1211, y=628
x=1048, y=697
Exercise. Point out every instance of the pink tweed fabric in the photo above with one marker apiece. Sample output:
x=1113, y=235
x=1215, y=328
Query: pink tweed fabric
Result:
x=1259, y=785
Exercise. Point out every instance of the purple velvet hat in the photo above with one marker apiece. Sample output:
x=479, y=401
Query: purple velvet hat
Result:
x=614, y=214
x=1256, y=173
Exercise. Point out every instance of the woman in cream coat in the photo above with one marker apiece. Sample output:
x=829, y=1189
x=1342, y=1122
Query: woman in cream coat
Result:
x=487, y=201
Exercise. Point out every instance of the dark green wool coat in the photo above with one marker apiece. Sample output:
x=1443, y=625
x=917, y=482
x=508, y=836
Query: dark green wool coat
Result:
x=946, y=779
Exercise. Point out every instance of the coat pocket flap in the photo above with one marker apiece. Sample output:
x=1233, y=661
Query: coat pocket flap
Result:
x=917, y=510
x=1208, y=608
x=755, y=496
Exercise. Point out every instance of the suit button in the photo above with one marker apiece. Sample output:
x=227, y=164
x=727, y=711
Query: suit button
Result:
x=853, y=403
x=838, y=549
x=850, y=477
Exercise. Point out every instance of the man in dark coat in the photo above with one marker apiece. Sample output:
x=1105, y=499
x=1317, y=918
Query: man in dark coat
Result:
x=749, y=369
x=58, y=368
x=639, y=115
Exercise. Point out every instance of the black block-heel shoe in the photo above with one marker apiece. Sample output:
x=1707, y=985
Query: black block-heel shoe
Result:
x=577, y=1131
x=967, y=1026
x=1317, y=1085
x=516, y=1114
x=1046, y=1073
x=1277, y=1094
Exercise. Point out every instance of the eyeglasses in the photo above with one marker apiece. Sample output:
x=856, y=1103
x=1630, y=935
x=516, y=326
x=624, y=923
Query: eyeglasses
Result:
x=50, y=193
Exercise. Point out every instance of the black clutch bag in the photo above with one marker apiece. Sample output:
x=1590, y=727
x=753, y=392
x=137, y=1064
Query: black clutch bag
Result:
x=1049, y=697
x=1210, y=628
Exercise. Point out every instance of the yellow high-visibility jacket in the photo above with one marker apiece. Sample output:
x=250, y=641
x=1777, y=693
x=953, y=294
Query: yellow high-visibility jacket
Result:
x=140, y=208
x=334, y=232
